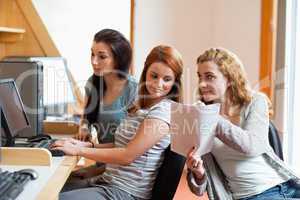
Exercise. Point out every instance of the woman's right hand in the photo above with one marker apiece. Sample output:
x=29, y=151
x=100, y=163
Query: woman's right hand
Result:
x=195, y=164
x=75, y=142
x=83, y=134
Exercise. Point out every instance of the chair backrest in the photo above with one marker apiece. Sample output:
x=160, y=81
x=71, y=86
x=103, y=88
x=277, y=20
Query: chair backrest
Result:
x=168, y=176
x=275, y=141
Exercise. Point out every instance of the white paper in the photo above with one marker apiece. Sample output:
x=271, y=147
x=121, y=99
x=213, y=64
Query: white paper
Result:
x=193, y=125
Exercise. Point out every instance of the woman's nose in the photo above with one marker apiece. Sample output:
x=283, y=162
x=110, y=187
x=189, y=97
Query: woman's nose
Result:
x=160, y=83
x=202, y=83
x=94, y=60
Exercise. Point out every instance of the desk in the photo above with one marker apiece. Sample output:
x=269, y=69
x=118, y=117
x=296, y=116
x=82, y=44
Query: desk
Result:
x=52, y=175
x=51, y=178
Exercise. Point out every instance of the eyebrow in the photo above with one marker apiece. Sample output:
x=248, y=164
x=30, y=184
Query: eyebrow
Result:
x=209, y=73
x=153, y=72
x=206, y=73
x=102, y=52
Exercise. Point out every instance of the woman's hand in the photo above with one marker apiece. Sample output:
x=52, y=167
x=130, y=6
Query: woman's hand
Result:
x=73, y=141
x=70, y=146
x=195, y=164
x=83, y=134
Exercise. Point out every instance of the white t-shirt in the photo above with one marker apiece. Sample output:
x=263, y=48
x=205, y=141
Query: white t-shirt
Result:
x=247, y=175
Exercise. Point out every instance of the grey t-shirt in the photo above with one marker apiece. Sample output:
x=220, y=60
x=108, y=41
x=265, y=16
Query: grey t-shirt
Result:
x=110, y=116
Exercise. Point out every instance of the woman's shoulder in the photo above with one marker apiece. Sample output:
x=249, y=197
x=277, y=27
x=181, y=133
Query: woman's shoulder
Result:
x=258, y=98
x=132, y=83
x=161, y=110
x=131, y=89
x=132, y=80
x=259, y=101
x=164, y=105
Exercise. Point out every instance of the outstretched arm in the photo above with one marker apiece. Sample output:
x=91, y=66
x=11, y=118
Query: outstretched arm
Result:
x=148, y=134
x=252, y=139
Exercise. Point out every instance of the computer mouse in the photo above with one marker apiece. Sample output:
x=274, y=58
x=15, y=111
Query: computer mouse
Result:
x=32, y=173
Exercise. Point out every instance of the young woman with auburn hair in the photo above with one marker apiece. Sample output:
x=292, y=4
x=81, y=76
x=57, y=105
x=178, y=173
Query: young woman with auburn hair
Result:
x=141, y=138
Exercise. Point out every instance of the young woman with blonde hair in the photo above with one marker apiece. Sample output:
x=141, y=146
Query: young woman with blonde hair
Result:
x=242, y=164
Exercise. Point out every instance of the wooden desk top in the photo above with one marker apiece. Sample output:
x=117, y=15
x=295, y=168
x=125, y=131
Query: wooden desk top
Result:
x=51, y=178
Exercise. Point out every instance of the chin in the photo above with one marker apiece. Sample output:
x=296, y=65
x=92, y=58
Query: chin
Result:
x=98, y=73
x=157, y=96
x=208, y=99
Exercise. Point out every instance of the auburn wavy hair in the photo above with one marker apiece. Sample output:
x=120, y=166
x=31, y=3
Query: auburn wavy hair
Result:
x=172, y=58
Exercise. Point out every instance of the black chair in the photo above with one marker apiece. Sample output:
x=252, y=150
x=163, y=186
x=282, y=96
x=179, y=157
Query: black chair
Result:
x=168, y=176
x=275, y=141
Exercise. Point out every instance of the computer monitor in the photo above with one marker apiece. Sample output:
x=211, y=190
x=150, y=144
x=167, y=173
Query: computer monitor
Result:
x=28, y=76
x=58, y=89
x=13, y=116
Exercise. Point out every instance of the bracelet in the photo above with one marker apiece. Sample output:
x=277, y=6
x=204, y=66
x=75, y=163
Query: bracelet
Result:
x=93, y=145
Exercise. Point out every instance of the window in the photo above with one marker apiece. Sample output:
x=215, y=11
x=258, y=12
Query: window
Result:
x=293, y=81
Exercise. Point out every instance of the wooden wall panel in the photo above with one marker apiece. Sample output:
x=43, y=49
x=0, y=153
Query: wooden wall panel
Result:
x=29, y=46
x=268, y=46
x=36, y=40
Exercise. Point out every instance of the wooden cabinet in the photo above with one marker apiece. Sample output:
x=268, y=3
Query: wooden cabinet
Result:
x=22, y=32
x=8, y=34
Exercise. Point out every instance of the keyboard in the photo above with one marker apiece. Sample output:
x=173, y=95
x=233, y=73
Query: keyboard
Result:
x=46, y=144
x=12, y=183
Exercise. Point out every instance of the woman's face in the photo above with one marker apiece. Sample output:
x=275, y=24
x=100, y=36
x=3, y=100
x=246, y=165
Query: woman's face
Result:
x=159, y=80
x=102, y=59
x=212, y=83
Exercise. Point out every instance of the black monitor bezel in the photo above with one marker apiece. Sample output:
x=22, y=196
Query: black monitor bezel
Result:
x=11, y=81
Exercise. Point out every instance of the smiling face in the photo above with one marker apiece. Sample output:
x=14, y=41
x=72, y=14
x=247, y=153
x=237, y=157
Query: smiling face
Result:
x=102, y=59
x=212, y=83
x=159, y=80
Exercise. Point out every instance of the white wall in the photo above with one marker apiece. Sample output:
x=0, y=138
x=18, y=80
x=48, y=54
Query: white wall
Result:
x=72, y=25
x=194, y=25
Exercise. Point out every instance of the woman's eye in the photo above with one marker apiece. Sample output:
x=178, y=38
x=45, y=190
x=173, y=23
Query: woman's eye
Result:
x=92, y=54
x=167, y=79
x=102, y=57
x=210, y=77
x=154, y=76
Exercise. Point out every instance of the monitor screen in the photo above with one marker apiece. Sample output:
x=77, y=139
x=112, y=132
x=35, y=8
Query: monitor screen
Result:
x=57, y=86
x=12, y=107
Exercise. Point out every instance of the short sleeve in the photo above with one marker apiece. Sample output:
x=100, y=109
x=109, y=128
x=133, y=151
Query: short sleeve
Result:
x=161, y=111
x=88, y=86
x=131, y=92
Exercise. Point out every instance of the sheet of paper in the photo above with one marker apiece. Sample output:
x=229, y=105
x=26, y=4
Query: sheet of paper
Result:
x=193, y=125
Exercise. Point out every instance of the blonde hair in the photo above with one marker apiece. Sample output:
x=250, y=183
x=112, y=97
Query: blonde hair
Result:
x=232, y=68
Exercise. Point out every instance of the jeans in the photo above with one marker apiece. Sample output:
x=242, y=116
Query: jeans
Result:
x=104, y=192
x=283, y=191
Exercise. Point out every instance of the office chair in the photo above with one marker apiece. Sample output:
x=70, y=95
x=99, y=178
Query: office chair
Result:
x=275, y=141
x=168, y=176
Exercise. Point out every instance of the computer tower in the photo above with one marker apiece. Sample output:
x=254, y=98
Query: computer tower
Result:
x=28, y=76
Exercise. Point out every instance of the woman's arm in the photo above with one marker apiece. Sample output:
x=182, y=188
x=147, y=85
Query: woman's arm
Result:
x=103, y=145
x=79, y=143
x=148, y=134
x=198, y=187
x=252, y=140
x=83, y=131
x=196, y=177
